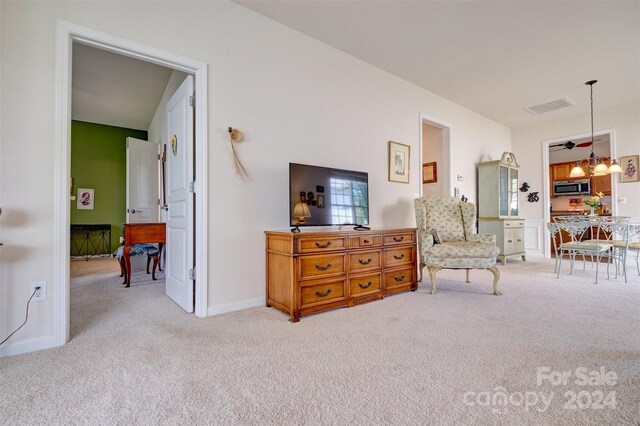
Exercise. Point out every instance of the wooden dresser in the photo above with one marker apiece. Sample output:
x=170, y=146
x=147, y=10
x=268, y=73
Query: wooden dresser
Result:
x=311, y=272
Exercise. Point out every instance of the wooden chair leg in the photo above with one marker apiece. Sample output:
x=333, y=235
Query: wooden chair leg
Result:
x=155, y=265
x=496, y=277
x=123, y=269
x=432, y=274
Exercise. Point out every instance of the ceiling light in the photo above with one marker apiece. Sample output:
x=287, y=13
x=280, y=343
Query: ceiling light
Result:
x=596, y=164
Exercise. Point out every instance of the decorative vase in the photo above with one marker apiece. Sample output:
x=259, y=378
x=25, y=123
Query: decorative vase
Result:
x=593, y=211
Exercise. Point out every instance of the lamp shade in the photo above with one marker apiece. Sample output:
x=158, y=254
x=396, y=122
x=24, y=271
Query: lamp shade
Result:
x=601, y=169
x=615, y=167
x=577, y=171
x=301, y=210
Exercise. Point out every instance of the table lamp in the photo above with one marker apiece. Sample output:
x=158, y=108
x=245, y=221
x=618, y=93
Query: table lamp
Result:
x=301, y=210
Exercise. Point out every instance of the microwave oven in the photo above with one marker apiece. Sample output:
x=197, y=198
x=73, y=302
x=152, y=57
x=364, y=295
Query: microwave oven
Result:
x=572, y=187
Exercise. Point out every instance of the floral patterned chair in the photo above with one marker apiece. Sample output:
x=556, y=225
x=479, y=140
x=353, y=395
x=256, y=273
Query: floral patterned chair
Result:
x=447, y=240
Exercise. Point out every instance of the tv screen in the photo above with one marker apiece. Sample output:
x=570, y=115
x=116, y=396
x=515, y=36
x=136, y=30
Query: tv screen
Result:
x=322, y=196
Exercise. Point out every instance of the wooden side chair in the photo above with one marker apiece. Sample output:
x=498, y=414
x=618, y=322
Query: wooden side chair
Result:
x=149, y=250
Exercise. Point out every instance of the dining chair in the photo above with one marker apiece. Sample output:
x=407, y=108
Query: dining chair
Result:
x=623, y=238
x=578, y=232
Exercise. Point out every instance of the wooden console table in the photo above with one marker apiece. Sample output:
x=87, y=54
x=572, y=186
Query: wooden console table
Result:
x=311, y=272
x=141, y=233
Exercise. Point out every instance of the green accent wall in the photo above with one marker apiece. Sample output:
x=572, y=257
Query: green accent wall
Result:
x=99, y=161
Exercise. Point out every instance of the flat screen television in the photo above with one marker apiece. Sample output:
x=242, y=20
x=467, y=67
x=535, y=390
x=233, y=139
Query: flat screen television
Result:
x=324, y=196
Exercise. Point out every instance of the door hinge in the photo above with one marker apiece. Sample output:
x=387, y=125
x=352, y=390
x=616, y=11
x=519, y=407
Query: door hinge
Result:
x=192, y=187
x=158, y=156
x=158, y=201
x=192, y=101
x=192, y=273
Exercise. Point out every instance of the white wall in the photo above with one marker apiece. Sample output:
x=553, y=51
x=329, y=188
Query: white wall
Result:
x=432, y=146
x=294, y=98
x=527, y=146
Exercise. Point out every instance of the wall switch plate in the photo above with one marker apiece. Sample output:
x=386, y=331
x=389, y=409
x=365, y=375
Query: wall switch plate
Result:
x=456, y=192
x=41, y=294
x=622, y=200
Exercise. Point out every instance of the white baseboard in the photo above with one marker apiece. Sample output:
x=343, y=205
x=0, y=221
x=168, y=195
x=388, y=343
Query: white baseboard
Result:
x=235, y=306
x=28, y=345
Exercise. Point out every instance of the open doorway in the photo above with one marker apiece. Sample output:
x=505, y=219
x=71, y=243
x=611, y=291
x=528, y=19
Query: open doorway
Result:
x=192, y=160
x=564, y=194
x=435, y=157
x=121, y=115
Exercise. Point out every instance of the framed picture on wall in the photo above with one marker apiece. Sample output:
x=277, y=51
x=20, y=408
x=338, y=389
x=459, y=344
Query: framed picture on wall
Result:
x=85, y=199
x=399, y=160
x=629, y=166
x=430, y=172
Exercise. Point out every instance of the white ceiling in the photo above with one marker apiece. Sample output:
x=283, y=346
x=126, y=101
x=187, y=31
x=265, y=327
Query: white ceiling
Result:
x=116, y=90
x=494, y=57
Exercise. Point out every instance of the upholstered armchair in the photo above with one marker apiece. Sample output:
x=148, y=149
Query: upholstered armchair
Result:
x=447, y=240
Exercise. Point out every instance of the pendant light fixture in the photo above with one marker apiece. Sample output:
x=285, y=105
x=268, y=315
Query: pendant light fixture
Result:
x=596, y=164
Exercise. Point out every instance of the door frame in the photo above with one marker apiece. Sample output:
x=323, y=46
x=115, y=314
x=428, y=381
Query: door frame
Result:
x=546, y=184
x=67, y=34
x=447, y=150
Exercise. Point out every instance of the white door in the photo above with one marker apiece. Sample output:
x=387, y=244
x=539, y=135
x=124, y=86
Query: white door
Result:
x=142, y=181
x=180, y=220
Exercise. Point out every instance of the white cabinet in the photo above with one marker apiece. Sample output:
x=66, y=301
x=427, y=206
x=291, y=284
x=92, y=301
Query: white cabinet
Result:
x=498, y=205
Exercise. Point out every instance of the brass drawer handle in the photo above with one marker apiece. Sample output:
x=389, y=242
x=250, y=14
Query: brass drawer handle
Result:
x=509, y=241
x=366, y=242
x=323, y=245
x=398, y=257
x=362, y=286
x=324, y=268
x=399, y=279
x=323, y=294
x=397, y=240
x=519, y=240
x=365, y=262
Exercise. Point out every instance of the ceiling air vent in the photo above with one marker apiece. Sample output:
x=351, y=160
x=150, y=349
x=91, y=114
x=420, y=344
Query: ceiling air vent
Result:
x=550, y=106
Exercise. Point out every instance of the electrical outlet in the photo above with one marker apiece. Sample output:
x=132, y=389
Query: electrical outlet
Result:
x=41, y=293
x=459, y=178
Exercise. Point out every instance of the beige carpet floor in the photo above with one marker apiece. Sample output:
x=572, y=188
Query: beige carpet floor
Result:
x=410, y=359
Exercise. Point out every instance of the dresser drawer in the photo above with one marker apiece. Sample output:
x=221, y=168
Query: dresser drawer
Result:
x=398, y=238
x=364, y=284
x=364, y=260
x=319, y=245
x=365, y=241
x=321, y=293
x=398, y=256
x=514, y=224
x=398, y=277
x=322, y=265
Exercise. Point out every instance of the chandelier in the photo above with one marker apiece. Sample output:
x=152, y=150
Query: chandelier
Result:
x=596, y=164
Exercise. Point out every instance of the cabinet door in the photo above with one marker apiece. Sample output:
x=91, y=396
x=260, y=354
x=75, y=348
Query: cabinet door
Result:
x=601, y=184
x=561, y=171
x=504, y=191
x=513, y=192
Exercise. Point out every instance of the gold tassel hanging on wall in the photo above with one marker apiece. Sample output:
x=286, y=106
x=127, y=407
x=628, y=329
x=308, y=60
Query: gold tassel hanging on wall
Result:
x=235, y=136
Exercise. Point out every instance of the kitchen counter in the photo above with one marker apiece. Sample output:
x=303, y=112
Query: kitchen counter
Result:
x=574, y=213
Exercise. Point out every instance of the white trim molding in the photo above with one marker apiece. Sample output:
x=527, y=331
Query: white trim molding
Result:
x=28, y=345
x=67, y=33
x=235, y=306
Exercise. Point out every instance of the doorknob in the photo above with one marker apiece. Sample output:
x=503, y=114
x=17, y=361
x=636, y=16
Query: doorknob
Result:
x=135, y=211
